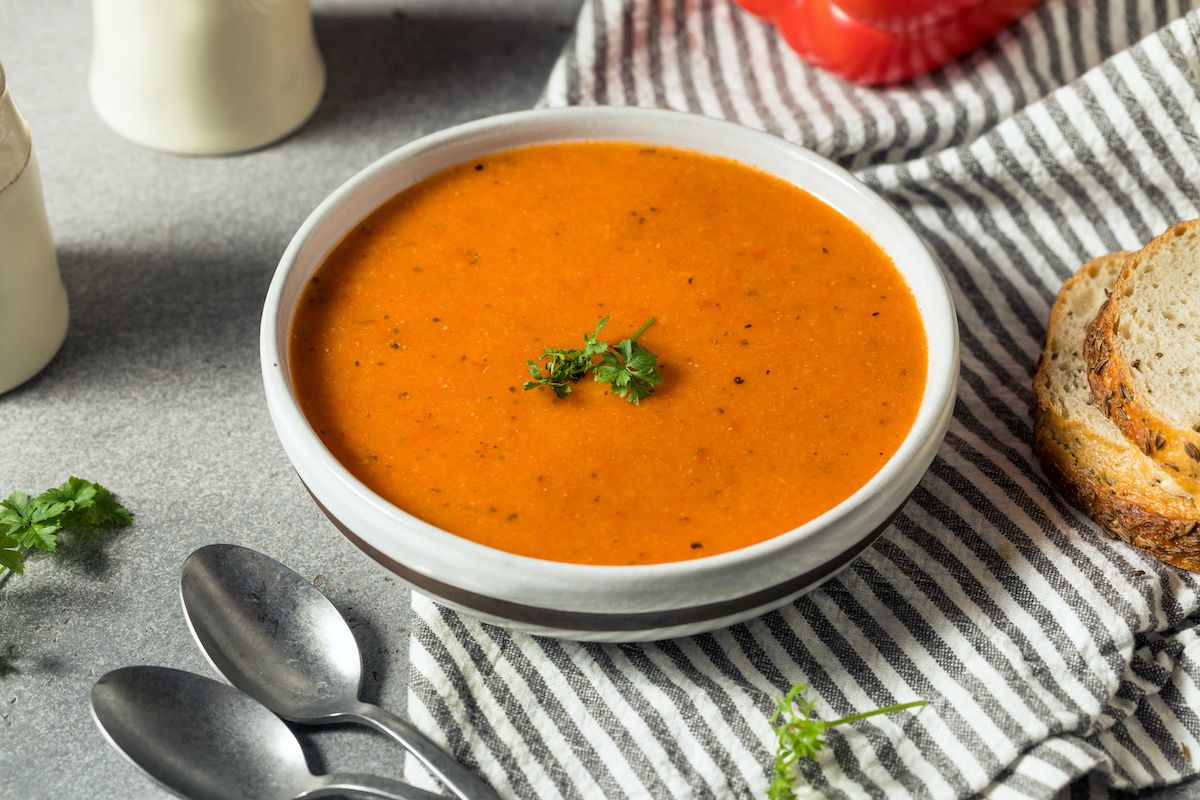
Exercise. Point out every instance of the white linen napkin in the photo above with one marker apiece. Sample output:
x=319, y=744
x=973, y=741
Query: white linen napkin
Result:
x=1051, y=656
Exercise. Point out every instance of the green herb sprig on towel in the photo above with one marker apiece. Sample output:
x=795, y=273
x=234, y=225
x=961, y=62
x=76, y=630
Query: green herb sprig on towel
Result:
x=802, y=735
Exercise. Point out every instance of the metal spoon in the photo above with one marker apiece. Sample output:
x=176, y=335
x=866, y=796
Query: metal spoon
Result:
x=273, y=635
x=203, y=740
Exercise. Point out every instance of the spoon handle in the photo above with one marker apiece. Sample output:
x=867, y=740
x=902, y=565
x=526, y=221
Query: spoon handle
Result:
x=356, y=785
x=456, y=777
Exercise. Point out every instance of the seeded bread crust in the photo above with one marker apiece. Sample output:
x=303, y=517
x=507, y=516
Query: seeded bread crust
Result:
x=1120, y=394
x=1085, y=455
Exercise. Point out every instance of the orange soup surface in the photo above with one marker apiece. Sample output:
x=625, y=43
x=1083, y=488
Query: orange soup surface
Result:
x=792, y=354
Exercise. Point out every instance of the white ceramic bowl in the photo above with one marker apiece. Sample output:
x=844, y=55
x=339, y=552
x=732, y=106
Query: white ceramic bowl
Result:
x=609, y=603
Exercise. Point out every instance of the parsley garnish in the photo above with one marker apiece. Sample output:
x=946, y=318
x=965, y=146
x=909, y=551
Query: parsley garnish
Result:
x=630, y=368
x=29, y=523
x=802, y=735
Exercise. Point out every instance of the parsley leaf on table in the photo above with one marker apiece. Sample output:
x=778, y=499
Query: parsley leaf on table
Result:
x=34, y=523
x=802, y=735
x=91, y=505
x=30, y=523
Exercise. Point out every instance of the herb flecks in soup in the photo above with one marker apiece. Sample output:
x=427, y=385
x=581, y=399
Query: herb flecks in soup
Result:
x=792, y=354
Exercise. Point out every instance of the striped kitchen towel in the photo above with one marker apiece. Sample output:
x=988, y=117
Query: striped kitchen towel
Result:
x=1051, y=656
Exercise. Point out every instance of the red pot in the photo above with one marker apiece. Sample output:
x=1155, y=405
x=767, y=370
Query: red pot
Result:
x=885, y=41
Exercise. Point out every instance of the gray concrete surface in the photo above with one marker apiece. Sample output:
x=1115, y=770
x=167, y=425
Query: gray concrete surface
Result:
x=156, y=391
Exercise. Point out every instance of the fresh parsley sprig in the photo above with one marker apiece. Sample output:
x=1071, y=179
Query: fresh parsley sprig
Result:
x=802, y=735
x=565, y=367
x=34, y=523
x=629, y=367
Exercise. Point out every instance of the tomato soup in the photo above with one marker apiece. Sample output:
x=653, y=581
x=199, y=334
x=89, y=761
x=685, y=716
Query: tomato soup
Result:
x=791, y=350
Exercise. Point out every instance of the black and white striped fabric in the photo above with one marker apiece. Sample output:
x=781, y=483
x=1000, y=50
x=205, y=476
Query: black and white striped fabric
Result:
x=1051, y=657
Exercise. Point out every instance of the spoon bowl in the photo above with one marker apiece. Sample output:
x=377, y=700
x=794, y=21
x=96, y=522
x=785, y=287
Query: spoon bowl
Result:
x=203, y=740
x=273, y=635
x=236, y=748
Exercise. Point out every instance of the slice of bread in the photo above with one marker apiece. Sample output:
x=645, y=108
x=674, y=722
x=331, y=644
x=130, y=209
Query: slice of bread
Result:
x=1143, y=352
x=1085, y=455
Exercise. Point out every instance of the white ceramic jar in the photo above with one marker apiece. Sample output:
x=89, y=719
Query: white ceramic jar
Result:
x=33, y=301
x=205, y=77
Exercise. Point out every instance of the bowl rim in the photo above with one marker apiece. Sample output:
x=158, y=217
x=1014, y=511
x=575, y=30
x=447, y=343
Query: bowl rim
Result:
x=932, y=415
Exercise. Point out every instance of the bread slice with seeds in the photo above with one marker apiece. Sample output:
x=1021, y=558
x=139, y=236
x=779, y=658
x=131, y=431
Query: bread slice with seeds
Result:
x=1085, y=455
x=1143, y=352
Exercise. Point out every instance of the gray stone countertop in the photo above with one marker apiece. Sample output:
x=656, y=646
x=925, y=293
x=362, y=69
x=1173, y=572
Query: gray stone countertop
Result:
x=156, y=391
